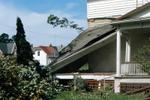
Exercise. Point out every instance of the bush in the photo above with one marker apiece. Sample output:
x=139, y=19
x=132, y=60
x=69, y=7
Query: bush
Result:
x=143, y=57
x=23, y=82
x=80, y=84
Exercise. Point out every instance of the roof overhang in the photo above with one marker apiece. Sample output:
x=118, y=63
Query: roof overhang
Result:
x=123, y=25
x=132, y=23
x=73, y=57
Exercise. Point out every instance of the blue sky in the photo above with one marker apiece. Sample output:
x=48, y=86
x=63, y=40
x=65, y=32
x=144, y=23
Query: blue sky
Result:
x=34, y=14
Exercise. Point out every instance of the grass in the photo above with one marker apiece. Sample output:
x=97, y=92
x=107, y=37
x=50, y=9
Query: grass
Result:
x=71, y=95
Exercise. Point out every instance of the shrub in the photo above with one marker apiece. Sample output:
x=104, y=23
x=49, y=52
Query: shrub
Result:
x=23, y=82
x=78, y=84
x=143, y=57
x=81, y=84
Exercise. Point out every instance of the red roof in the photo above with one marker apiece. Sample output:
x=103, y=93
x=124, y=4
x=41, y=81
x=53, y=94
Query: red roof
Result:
x=48, y=50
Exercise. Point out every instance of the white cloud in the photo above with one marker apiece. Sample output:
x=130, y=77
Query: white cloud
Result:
x=37, y=30
x=71, y=5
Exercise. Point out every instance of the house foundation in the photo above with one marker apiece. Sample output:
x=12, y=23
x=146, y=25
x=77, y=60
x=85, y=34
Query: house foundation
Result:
x=127, y=84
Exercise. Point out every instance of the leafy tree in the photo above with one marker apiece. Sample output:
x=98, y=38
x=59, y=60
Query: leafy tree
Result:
x=143, y=57
x=64, y=22
x=4, y=38
x=24, y=51
x=19, y=82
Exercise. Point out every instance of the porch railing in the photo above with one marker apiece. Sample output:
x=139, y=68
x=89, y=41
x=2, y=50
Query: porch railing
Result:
x=132, y=68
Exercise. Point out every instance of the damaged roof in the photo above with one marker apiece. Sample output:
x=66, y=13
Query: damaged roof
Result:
x=93, y=38
x=85, y=39
x=90, y=40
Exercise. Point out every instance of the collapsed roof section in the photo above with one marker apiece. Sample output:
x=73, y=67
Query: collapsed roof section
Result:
x=73, y=55
x=81, y=46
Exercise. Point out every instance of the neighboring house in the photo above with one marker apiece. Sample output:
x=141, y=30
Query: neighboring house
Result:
x=109, y=50
x=45, y=54
x=8, y=48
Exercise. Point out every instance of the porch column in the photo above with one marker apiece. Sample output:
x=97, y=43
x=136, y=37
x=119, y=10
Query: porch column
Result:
x=128, y=51
x=118, y=53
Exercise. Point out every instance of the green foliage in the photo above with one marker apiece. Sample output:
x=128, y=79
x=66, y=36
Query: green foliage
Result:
x=64, y=22
x=97, y=95
x=143, y=57
x=23, y=82
x=84, y=68
x=80, y=84
x=4, y=38
x=24, y=51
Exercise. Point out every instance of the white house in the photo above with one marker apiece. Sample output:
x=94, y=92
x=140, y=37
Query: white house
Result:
x=109, y=50
x=45, y=55
x=106, y=11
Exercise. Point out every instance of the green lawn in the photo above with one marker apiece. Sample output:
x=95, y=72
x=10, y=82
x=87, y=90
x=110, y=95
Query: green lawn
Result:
x=70, y=95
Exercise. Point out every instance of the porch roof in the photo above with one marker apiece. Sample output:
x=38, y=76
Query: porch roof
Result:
x=82, y=45
x=134, y=23
x=92, y=39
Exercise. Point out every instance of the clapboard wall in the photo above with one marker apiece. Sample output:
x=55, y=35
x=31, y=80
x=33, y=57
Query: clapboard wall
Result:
x=111, y=8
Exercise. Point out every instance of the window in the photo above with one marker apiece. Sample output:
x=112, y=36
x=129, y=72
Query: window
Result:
x=38, y=53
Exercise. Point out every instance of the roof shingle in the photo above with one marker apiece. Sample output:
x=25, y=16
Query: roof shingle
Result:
x=48, y=50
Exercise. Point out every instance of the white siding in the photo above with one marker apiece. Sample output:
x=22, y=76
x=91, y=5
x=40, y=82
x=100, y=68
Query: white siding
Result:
x=42, y=58
x=111, y=8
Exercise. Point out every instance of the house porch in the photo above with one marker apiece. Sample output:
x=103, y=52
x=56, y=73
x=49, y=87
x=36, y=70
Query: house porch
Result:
x=112, y=52
x=131, y=36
